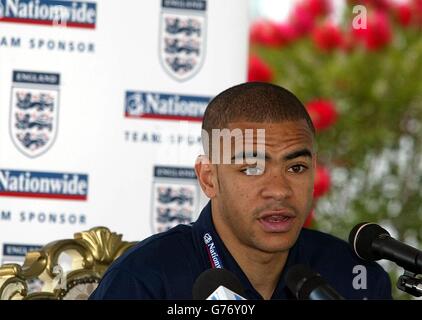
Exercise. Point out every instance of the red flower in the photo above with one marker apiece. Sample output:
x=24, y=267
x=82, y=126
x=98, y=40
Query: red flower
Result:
x=265, y=33
x=382, y=5
x=378, y=32
x=309, y=220
x=302, y=20
x=322, y=181
x=286, y=33
x=417, y=10
x=403, y=14
x=322, y=112
x=327, y=37
x=259, y=70
x=318, y=8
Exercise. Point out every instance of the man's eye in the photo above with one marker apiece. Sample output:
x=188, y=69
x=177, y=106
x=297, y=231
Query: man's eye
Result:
x=298, y=168
x=253, y=171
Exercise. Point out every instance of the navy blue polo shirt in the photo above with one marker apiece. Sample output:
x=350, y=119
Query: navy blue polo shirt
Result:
x=166, y=265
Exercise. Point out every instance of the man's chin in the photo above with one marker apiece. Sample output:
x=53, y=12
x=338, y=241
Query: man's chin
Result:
x=276, y=247
x=276, y=243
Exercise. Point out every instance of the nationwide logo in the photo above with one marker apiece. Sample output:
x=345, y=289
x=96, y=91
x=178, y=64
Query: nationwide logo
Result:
x=72, y=14
x=212, y=253
x=207, y=238
x=150, y=105
x=34, y=108
x=51, y=185
x=182, y=37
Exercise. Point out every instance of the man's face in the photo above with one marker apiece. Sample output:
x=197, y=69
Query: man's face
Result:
x=266, y=210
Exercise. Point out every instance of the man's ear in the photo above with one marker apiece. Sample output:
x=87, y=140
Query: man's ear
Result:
x=205, y=172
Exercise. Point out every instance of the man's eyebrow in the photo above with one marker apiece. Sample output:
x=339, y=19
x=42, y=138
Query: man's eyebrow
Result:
x=299, y=153
x=295, y=154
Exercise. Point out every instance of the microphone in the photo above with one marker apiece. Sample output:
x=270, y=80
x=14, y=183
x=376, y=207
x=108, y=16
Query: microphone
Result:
x=222, y=293
x=372, y=242
x=217, y=284
x=306, y=284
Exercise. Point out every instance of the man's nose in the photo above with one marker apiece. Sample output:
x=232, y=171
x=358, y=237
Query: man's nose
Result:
x=277, y=186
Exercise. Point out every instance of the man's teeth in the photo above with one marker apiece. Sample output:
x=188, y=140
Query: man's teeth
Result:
x=277, y=219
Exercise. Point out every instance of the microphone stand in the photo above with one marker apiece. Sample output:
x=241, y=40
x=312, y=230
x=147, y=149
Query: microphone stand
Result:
x=410, y=283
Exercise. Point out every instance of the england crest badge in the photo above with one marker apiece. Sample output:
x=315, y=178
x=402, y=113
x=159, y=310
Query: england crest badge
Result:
x=175, y=197
x=182, y=37
x=34, y=107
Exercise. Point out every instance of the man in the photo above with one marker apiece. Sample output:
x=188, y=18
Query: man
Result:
x=255, y=216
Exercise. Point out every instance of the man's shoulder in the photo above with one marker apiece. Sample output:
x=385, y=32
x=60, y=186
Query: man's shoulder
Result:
x=155, y=268
x=324, y=248
x=317, y=239
x=334, y=259
x=157, y=249
x=321, y=245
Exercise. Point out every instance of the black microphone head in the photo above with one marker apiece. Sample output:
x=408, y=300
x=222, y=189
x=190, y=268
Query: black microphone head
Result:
x=301, y=281
x=209, y=280
x=361, y=238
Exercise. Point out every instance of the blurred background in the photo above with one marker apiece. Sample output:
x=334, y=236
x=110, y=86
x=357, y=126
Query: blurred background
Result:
x=363, y=89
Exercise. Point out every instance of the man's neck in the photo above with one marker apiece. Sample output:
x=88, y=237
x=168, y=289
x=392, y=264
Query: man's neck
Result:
x=263, y=269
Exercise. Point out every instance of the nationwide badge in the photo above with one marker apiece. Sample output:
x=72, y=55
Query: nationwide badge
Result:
x=175, y=193
x=182, y=37
x=34, y=111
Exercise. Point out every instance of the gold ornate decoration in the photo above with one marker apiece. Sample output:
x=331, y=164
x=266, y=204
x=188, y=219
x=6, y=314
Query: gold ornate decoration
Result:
x=12, y=283
x=65, y=269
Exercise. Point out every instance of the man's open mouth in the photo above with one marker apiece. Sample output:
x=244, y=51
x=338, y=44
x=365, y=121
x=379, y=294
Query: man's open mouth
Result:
x=277, y=221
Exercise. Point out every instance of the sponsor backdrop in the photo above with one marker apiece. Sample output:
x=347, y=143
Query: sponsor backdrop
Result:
x=100, y=112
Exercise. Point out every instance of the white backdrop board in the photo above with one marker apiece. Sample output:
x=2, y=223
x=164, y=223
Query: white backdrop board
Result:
x=100, y=112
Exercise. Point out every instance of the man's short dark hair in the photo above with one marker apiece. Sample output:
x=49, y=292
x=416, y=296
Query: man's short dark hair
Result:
x=254, y=102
